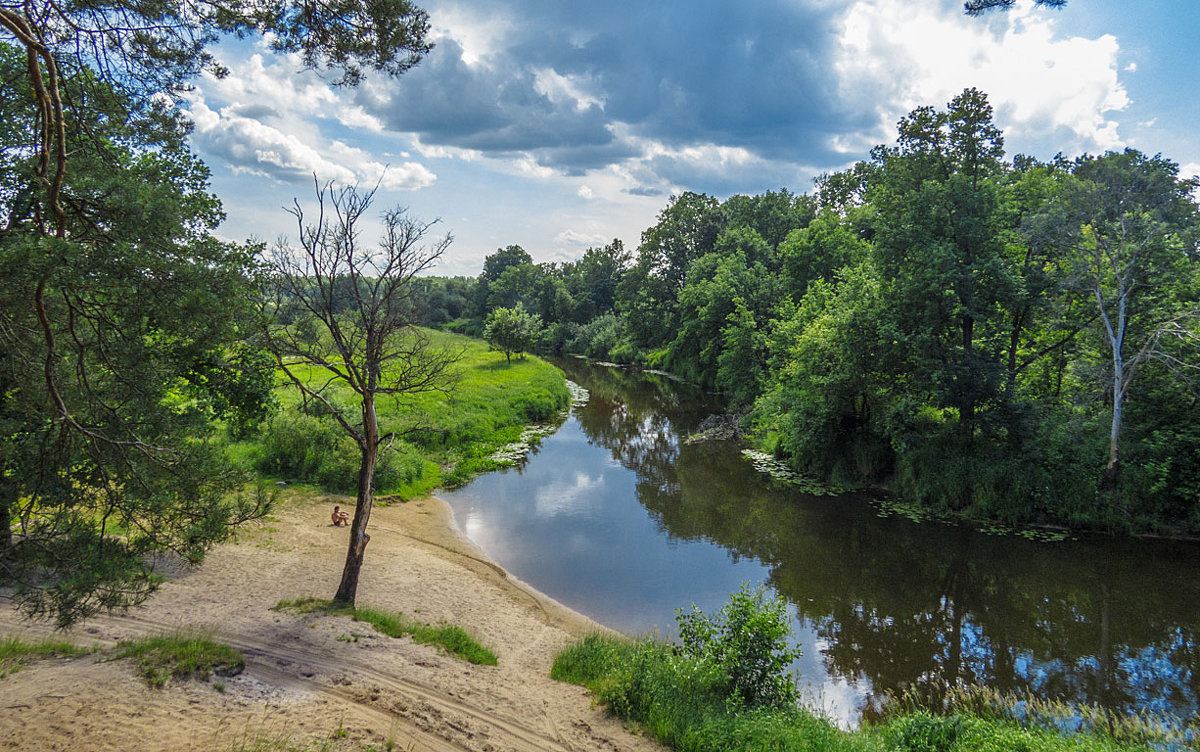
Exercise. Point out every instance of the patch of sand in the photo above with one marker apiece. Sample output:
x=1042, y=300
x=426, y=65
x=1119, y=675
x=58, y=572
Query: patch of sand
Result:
x=322, y=682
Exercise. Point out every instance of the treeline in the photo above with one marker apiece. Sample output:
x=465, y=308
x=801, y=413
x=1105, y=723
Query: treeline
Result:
x=1011, y=340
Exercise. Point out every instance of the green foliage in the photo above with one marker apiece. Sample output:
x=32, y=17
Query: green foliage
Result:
x=684, y=702
x=512, y=331
x=455, y=433
x=746, y=643
x=122, y=346
x=302, y=447
x=453, y=639
x=1013, y=341
x=181, y=656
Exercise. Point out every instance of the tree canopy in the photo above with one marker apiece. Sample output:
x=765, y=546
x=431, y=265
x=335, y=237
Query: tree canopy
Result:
x=990, y=337
x=121, y=344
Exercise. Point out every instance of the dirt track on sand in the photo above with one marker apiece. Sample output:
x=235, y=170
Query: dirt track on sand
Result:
x=322, y=682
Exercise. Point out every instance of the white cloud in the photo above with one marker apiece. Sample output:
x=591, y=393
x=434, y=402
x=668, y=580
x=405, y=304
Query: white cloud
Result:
x=558, y=88
x=900, y=55
x=478, y=34
x=585, y=192
x=250, y=145
x=580, y=239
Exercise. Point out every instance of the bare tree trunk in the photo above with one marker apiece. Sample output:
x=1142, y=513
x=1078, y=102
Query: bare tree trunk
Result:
x=1116, y=340
x=1108, y=481
x=348, y=589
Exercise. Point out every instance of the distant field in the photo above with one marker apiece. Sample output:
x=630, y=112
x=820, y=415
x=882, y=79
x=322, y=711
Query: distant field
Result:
x=453, y=433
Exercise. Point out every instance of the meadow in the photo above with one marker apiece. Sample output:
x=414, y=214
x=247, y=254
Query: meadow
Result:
x=445, y=437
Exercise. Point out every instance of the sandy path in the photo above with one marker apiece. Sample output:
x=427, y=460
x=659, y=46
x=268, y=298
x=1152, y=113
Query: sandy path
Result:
x=311, y=678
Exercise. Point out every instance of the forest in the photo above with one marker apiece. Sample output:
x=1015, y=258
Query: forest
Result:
x=986, y=337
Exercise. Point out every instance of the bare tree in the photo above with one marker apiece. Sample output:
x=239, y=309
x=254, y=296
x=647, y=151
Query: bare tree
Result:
x=353, y=326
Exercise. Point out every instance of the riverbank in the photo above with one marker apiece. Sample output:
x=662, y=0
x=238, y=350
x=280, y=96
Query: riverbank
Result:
x=312, y=680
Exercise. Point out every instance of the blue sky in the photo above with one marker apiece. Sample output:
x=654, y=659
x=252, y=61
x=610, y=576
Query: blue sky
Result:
x=559, y=125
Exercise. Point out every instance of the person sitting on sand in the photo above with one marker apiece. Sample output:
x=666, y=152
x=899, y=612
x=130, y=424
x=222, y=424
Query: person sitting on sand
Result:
x=340, y=517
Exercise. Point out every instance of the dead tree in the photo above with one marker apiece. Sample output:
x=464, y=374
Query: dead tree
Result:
x=351, y=313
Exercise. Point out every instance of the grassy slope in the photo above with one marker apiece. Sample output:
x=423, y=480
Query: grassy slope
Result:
x=487, y=406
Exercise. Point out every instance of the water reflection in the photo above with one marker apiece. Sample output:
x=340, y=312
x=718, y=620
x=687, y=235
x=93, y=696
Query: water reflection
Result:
x=620, y=519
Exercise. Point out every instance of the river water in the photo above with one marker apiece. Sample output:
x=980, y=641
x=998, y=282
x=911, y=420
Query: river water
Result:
x=617, y=517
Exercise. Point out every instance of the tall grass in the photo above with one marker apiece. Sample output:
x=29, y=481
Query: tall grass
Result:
x=181, y=656
x=690, y=697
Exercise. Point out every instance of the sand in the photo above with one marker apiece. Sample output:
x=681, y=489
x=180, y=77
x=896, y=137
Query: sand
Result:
x=321, y=682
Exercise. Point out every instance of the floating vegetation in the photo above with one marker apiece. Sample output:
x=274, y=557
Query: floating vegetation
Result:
x=1039, y=535
x=579, y=395
x=909, y=510
x=917, y=513
x=516, y=452
x=765, y=463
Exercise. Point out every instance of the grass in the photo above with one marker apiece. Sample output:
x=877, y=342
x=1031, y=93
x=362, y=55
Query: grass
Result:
x=453, y=436
x=453, y=639
x=655, y=685
x=14, y=653
x=180, y=656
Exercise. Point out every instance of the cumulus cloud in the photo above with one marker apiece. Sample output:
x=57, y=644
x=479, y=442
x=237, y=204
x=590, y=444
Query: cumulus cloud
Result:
x=895, y=55
x=569, y=83
x=669, y=96
x=580, y=239
x=250, y=145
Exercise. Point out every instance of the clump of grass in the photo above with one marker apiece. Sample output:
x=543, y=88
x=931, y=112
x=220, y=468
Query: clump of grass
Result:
x=181, y=656
x=314, y=606
x=453, y=639
x=14, y=653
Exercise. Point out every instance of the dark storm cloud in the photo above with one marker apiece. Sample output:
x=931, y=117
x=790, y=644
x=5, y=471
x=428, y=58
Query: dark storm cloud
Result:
x=746, y=75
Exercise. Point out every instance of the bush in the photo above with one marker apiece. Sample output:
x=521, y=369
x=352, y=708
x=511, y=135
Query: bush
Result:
x=745, y=643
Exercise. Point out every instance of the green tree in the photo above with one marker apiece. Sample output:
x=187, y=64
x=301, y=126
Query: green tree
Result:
x=685, y=231
x=938, y=246
x=1135, y=255
x=372, y=347
x=147, y=49
x=595, y=277
x=819, y=250
x=121, y=343
x=740, y=363
x=494, y=265
x=512, y=330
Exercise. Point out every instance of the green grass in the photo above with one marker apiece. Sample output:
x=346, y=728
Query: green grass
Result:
x=180, y=656
x=453, y=639
x=456, y=432
x=14, y=653
x=655, y=685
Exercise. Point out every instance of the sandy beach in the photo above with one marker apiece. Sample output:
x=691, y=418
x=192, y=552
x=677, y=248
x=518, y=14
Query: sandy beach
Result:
x=321, y=682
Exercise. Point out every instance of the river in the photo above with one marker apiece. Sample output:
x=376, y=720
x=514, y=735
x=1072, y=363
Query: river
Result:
x=616, y=516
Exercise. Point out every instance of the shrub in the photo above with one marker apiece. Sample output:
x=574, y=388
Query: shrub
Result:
x=746, y=644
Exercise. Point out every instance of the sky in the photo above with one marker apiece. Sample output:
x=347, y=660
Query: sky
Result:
x=559, y=126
